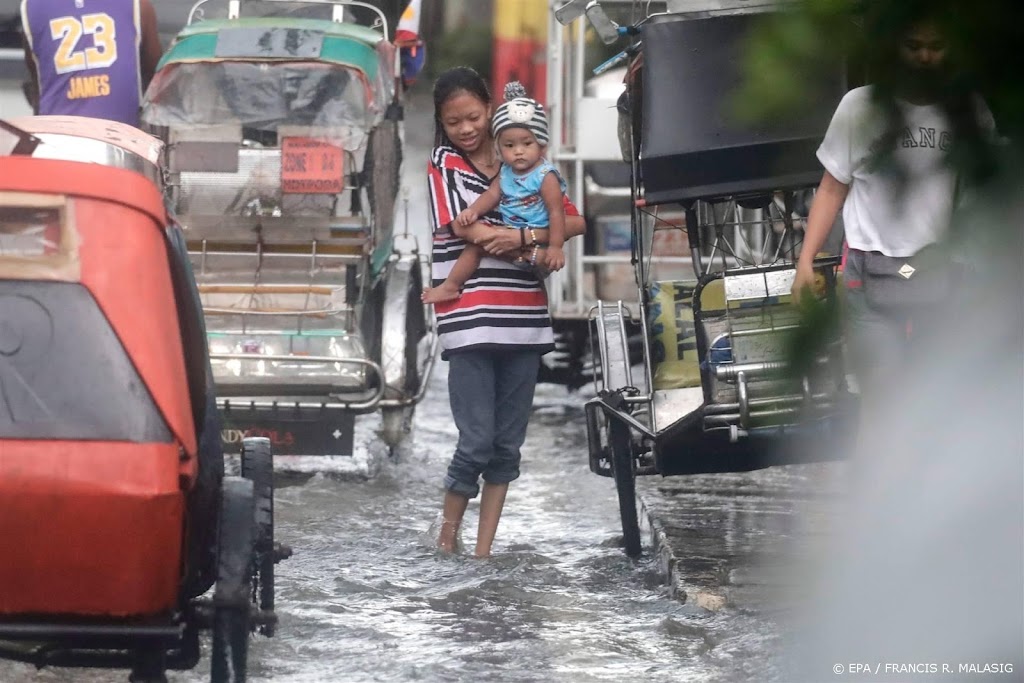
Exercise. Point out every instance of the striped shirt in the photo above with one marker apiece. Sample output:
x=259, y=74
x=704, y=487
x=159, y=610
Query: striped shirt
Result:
x=502, y=306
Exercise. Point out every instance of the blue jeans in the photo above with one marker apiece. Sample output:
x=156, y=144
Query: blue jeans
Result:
x=491, y=394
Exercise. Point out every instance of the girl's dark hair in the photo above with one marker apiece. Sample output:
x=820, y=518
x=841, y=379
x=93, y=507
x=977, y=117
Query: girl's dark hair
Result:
x=451, y=83
x=887, y=24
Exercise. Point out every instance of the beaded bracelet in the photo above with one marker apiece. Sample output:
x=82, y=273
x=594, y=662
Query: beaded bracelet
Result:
x=533, y=237
x=533, y=256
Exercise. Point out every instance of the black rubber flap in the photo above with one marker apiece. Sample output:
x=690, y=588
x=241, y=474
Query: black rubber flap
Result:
x=693, y=148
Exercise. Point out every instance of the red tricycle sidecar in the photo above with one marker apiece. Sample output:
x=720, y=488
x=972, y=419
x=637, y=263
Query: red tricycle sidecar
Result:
x=116, y=511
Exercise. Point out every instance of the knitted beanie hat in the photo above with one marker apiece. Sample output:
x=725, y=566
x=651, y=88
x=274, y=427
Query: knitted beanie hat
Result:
x=519, y=111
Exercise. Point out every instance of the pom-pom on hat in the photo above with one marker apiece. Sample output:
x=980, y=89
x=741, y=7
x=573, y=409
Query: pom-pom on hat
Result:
x=519, y=111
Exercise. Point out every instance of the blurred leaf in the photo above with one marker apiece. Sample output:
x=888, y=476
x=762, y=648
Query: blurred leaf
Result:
x=788, y=52
x=819, y=326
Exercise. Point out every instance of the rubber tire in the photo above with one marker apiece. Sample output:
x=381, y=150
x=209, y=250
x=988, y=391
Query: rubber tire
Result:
x=396, y=422
x=382, y=169
x=258, y=467
x=235, y=546
x=625, y=484
x=230, y=646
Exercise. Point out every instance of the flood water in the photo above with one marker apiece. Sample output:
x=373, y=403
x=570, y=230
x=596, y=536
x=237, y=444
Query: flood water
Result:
x=367, y=598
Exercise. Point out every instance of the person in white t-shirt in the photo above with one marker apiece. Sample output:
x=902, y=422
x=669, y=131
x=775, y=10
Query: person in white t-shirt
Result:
x=887, y=166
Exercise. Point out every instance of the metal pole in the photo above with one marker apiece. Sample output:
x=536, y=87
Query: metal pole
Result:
x=578, y=191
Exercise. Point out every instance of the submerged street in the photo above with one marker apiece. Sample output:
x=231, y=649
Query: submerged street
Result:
x=367, y=598
x=721, y=594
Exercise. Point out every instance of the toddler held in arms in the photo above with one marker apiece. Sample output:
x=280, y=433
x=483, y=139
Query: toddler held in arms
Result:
x=527, y=192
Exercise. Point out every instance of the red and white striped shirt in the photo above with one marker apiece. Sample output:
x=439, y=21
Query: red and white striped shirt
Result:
x=502, y=306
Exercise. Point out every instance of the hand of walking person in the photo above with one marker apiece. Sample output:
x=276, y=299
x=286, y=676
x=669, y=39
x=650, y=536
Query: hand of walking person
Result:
x=803, y=283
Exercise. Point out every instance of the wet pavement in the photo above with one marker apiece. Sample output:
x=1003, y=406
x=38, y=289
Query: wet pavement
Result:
x=367, y=598
x=738, y=539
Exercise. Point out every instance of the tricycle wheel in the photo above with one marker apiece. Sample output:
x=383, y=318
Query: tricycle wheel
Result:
x=395, y=423
x=235, y=545
x=625, y=484
x=258, y=467
x=230, y=645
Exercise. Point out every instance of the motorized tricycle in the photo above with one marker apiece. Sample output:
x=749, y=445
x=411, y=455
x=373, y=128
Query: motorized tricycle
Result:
x=720, y=388
x=118, y=517
x=283, y=131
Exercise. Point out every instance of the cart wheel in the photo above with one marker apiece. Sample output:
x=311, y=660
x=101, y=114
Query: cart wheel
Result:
x=396, y=422
x=235, y=545
x=625, y=484
x=258, y=467
x=383, y=167
x=230, y=645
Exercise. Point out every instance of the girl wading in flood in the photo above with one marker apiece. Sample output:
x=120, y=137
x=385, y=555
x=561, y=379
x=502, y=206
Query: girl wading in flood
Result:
x=494, y=334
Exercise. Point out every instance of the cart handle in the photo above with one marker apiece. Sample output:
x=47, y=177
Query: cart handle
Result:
x=371, y=402
x=595, y=404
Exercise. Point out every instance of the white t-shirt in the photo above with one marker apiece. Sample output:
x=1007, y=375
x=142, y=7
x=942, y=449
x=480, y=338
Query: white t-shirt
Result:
x=879, y=214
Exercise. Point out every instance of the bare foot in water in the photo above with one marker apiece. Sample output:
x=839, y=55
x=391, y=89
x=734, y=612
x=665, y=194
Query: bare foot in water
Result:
x=448, y=539
x=443, y=292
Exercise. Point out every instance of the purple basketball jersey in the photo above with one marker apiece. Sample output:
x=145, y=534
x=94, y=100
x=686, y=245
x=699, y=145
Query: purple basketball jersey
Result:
x=87, y=57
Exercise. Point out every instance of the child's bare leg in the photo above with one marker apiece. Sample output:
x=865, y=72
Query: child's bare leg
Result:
x=465, y=266
x=453, y=511
x=492, y=501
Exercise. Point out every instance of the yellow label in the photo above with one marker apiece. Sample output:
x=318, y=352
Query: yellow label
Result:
x=84, y=87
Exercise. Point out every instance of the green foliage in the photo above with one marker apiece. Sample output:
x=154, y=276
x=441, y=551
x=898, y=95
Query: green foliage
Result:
x=789, y=50
x=819, y=326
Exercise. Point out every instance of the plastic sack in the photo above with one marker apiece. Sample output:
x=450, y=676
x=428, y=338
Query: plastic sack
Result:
x=673, y=335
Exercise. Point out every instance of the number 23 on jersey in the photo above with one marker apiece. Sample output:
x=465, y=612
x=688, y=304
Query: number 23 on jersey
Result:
x=70, y=57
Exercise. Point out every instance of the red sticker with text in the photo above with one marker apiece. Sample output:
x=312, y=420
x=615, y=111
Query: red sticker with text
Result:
x=311, y=166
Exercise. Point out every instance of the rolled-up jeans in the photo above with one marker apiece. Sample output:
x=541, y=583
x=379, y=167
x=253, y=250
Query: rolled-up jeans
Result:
x=491, y=394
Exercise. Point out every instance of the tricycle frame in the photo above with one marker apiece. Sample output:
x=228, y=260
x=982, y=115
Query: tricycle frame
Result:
x=636, y=428
x=370, y=305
